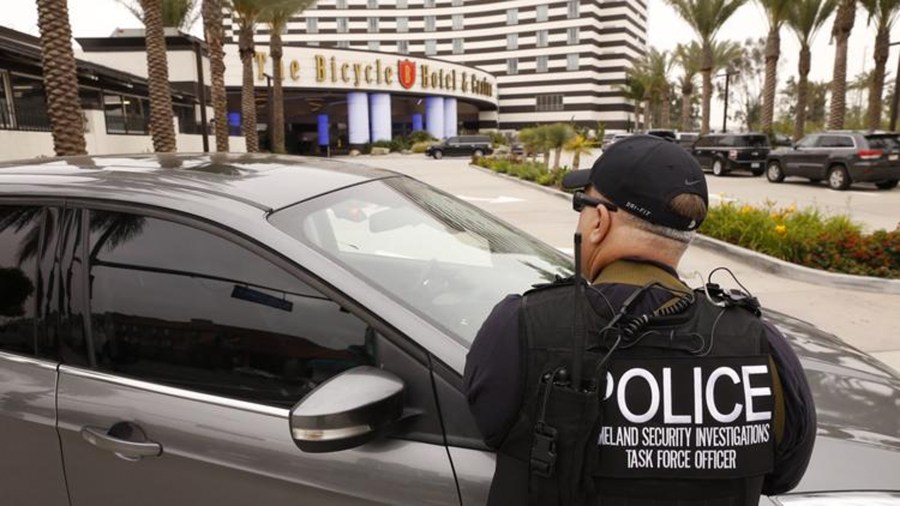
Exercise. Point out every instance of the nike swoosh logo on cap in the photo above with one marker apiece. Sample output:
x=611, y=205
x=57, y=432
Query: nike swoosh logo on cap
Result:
x=692, y=183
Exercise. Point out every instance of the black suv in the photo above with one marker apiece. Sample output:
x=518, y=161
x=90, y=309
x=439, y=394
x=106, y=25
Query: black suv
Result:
x=842, y=158
x=463, y=145
x=723, y=153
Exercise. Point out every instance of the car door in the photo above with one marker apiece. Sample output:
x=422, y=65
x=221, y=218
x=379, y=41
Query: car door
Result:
x=31, y=471
x=796, y=161
x=453, y=146
x=193, y=348
x=702, y=151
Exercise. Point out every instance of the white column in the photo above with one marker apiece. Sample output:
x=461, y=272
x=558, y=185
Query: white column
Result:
x=434, y=116
x=450, y=117
x=357, y=118
x=380, y=110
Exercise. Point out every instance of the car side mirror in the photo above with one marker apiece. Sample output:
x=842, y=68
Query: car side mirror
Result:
x=348, y=410
x=795, y=146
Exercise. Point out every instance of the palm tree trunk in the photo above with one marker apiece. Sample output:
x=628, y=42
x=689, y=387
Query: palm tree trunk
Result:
x=576, y=160
x=248, y=91
x=666, y=113
x=707, y=86
x=162, y=128
x=60, y=78
x=843, y=25
x=773, y=52
x=215, y=35
x=277, y=126
x=876, y=88
x=557, y=153
x=802, y=90
x=687, y=97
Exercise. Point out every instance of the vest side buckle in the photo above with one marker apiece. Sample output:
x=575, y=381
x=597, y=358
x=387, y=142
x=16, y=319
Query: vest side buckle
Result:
x=543, y=451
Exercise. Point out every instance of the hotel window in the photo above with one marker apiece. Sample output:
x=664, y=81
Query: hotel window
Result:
x=430, y=47
x=402, y=25
x=542, y=13
x=512, y=16
x=373, y=4
x=429, y=23
x=572, y=61
x=457, y=21
x=573, y=9
x=541, y=38
x=573, y=35
x=401, y=4
x=512, y=66
x=548, y=103
x=373, y=25
x=541, y=63
x=512, y=41
x=457, y=46
x=312, y=25
x=29, y=105
x=126, y=114
x=403, y=46
x=342, y=25
x=374, y=45
x=340, y=4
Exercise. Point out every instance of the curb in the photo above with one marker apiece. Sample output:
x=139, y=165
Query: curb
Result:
x=766, y=263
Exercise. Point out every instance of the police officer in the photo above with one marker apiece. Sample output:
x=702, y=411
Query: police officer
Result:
x=634, y=389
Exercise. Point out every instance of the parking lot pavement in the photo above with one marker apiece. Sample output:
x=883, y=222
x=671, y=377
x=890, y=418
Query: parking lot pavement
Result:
x=866, y=320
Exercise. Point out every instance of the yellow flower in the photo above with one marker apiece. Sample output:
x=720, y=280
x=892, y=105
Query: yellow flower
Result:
x=746, y=209
x=792, y=208
x=780, y=229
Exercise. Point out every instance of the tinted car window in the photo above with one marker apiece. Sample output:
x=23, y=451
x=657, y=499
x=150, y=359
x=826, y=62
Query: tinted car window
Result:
x=808, y=142
x=836, y=141
x=751, y=141
x=175, y=305
x=882, y=142
x=20, y=242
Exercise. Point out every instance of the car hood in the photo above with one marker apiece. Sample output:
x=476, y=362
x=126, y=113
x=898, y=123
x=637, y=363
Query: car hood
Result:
x=858, y=409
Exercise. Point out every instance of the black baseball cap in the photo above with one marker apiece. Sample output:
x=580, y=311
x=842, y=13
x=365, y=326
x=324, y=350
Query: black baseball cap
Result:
x=642, y=174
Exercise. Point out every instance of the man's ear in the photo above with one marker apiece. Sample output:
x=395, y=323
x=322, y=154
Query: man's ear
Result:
x=600, y=225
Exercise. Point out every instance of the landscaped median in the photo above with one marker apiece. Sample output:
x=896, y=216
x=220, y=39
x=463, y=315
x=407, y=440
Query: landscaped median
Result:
x=804, y=237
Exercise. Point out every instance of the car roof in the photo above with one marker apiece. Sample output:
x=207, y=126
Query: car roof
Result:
x=267, y=182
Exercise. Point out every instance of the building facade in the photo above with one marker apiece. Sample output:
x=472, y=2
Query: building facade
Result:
x=554, y=60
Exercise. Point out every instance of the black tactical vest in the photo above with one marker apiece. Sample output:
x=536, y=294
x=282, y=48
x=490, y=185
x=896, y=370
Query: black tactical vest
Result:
x=682, y=413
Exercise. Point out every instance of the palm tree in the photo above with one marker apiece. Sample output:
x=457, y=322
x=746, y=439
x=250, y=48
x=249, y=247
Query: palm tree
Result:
x=215, y=36
x=60, y=78
x=688, y=58
x=162, y=128
x=777, y=12
x=654, y=68
x=180, y=14
x=635, y=90
x=706, y=17
x=884, y=14
x=840, y=33
x=805, y=18
x=277, y=15
x=247, y=13
x=578, y=146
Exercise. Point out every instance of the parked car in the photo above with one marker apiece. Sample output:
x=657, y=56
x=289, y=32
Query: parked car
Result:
x=463, y=145
x=610, y=139
x=686, y=139
x=841, y=158
x=250, y=329
x=724, y=153
x=668, y=135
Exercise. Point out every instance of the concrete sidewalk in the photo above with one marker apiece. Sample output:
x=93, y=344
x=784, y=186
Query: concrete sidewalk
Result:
x=869, y=321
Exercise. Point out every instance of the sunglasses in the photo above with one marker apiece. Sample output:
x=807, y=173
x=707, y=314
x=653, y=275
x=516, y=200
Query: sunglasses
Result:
x=581, y=200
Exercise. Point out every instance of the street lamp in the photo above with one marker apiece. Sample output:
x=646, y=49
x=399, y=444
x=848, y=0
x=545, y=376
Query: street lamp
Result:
x=727, y=75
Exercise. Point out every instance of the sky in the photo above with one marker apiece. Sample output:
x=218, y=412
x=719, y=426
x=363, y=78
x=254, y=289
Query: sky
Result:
x=98, y=18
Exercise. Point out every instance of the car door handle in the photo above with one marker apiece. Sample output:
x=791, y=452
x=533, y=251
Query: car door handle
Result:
x=123, y=448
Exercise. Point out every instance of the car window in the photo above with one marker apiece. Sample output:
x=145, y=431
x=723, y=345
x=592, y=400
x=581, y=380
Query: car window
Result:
x=882, y=142
x=836, y=141
x=20, y=242
x=443, y=259
x=751, y=141
x=809, y=141
x=453, y=140
x=175, y=305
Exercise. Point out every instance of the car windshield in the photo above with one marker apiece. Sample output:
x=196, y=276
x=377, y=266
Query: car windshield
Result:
x=751, y=141
x=442, y=258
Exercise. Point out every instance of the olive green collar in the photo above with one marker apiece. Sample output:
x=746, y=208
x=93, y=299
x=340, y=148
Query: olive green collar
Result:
x=637, y=273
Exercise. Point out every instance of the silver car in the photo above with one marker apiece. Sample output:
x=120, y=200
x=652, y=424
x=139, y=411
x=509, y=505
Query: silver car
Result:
x=236, y=330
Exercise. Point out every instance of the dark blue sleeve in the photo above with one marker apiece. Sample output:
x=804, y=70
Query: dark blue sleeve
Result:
x=793, y=452
x=493, y=368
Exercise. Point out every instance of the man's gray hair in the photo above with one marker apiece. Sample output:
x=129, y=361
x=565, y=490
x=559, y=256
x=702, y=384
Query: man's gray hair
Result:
x=682, y=236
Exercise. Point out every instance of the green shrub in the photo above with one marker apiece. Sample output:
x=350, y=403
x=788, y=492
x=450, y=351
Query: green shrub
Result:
x=806, y=237
x=420, y=147
x=420, y=136
x=498, y=139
